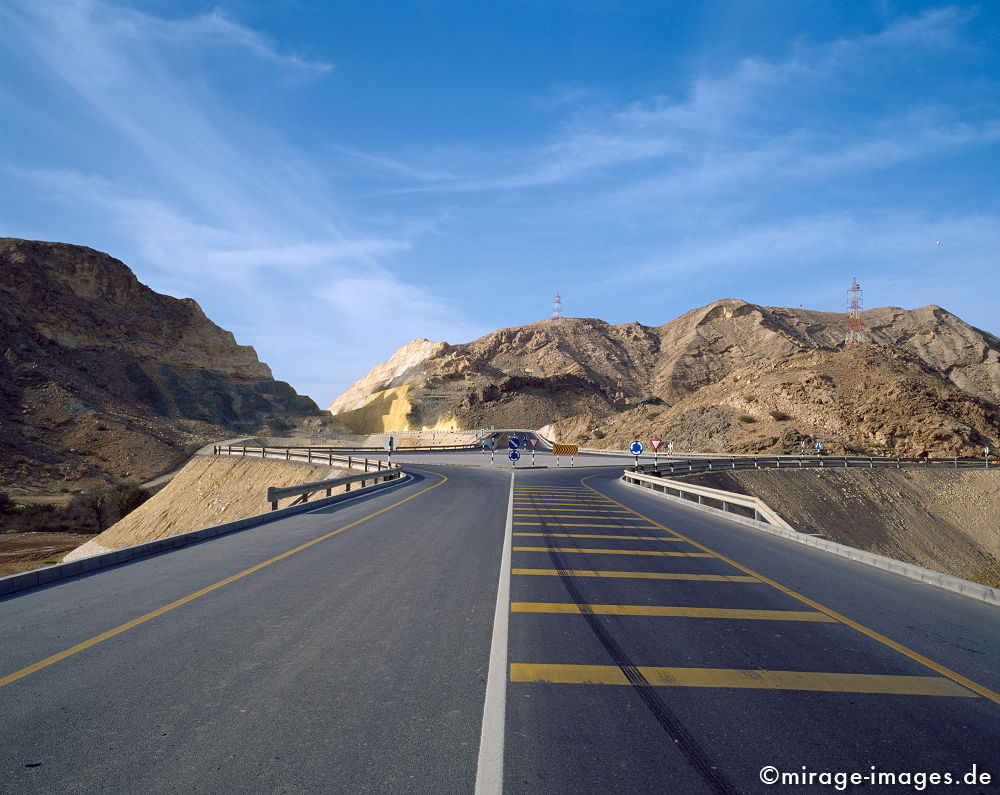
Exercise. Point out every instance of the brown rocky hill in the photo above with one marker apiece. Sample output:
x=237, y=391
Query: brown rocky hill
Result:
x=103, y=379
x=731, y=376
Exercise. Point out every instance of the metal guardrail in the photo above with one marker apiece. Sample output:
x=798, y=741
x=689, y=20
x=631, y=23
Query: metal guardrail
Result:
x=305, y=490
x=753, y=508
x=676, y=466
x=374, y=469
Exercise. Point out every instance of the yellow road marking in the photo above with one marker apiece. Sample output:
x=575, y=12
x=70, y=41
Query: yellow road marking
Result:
x=571, y=498
x=657, y=553
x=34, y=667
x=562, y=516
x=566, y=491
x=558, y=512
x=572, y=513
x=637, y=575
x=669, y=610
x=915, y=656
x=584, y=524
x=601, y=535
x=736, y=677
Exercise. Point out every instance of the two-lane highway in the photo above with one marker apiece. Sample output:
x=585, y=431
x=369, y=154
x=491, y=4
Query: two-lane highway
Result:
x=646, y=647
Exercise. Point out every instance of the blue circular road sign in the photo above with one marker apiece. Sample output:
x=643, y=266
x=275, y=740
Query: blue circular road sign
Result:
x=636, y=447
x=513, y=455
x=513, y=443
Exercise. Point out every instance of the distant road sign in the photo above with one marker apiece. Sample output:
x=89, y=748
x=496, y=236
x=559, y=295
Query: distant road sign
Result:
x=565, y=449
x=533, y=441
x=513, y=455
x=513, y=443
x=655, y=444
x=636, y=447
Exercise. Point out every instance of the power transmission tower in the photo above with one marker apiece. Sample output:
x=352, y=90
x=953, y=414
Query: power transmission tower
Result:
x=855, y=327
x=557, y=306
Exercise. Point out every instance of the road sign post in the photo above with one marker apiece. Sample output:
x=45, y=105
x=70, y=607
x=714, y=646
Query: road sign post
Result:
x=655, y=444
x=636, y=449
x=534, y=441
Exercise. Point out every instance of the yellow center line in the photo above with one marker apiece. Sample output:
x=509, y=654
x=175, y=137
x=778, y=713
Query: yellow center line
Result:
x=672, y=611
x=34, y=667
x=740, y=678
x=637, y=575
x=600, y=535
x=915, y=656
x=656, y=553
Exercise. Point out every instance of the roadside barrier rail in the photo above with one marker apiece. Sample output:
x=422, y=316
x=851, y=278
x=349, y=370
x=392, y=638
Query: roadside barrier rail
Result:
x=374, y=469
x=717, y=463
x=728, y=501
x=305, y=490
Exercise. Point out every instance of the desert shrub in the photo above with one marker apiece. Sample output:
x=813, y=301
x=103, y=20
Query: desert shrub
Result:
x=101, y=508
x=6, y=503
x=750, y=398
x=780, y=416
x=746, y=418
x=599, y=434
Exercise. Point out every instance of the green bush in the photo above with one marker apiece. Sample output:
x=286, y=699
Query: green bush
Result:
x=746, y=418
x=780, y=416
x=599, y=434
x=90, y=512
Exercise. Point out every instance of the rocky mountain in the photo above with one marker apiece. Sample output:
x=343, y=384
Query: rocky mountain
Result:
x=728, y=376
x=101, y=378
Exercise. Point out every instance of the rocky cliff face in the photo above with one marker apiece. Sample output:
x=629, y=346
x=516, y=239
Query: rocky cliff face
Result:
x=728, y=376
x=102, y=378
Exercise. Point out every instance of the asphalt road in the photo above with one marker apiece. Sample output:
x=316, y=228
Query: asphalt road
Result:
x=359, y=662
x=356, y=664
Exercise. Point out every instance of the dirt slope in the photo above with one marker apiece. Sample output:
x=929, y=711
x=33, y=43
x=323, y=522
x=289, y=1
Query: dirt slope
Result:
x=208, y=491
x=944, y=520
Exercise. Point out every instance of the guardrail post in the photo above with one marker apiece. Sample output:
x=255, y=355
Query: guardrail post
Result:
x=310, y=451
x=244, y=451
x=871, y=462
x=263, y=452
x=956, y=462
x=756, y=515
x=777, y=463
x=845, y=462
x=366, y=469
x=822, y=462
x=734, y=462
x=897, y=463
x=800, y=462
x=755, y=464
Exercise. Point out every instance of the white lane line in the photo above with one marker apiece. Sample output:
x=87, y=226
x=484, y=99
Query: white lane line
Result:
x=489, y=771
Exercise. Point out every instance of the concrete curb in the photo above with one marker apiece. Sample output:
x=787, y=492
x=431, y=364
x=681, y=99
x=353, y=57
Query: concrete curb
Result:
x=974, y=590
x=17, y=583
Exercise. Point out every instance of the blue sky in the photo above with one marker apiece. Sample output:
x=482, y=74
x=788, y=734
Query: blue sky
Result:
x=330, y=180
